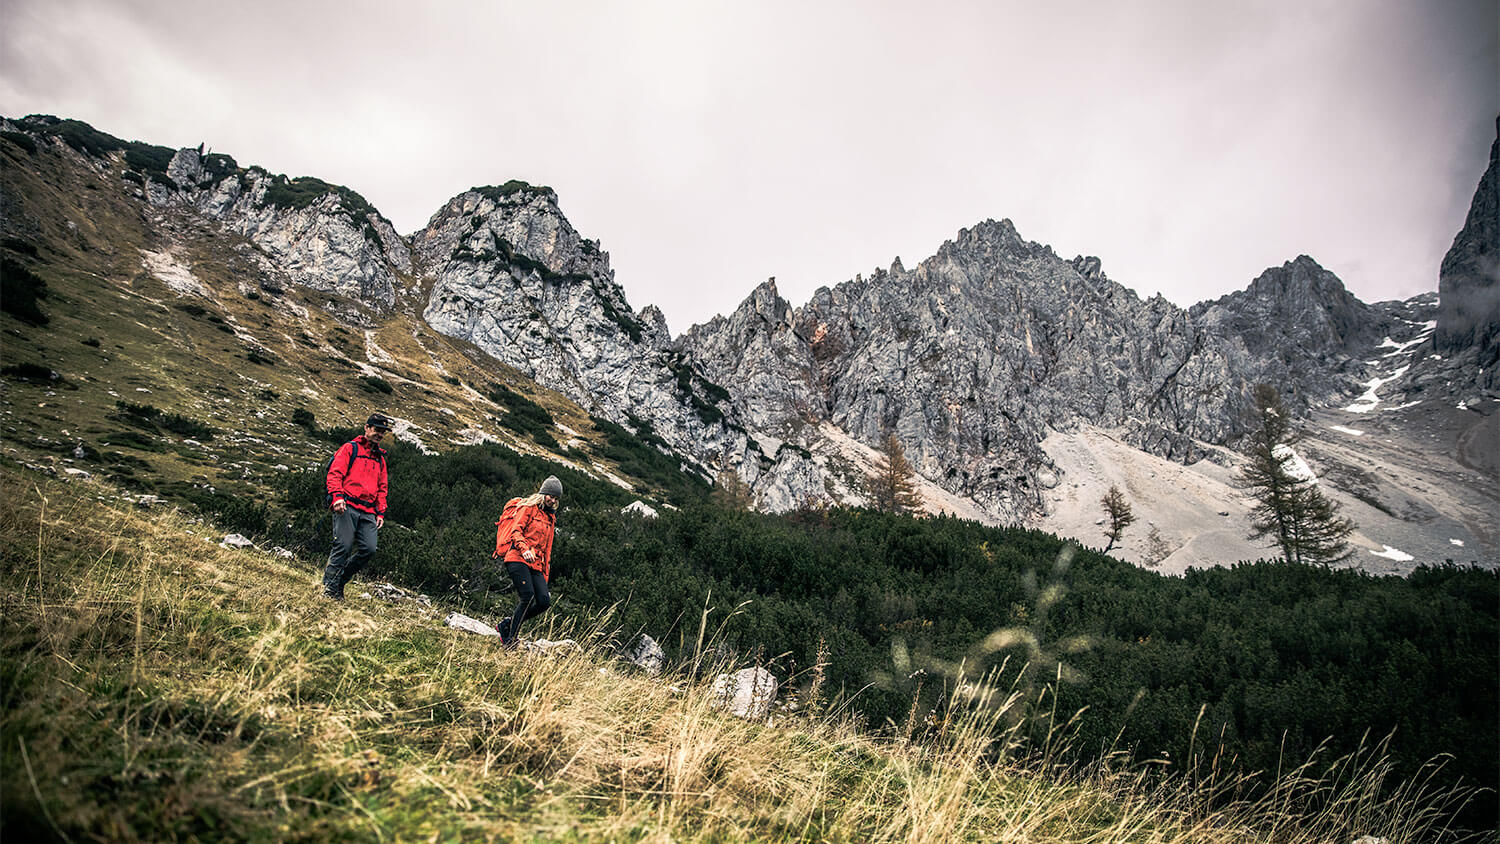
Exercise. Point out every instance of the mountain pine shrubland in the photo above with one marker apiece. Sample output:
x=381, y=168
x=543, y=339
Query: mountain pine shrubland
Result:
x=1259, y=665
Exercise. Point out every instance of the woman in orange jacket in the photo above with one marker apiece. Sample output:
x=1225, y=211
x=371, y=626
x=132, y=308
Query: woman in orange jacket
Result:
x=529, y=560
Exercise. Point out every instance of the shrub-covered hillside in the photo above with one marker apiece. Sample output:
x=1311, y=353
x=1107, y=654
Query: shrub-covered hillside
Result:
x=158, y=687
x=1262, y=663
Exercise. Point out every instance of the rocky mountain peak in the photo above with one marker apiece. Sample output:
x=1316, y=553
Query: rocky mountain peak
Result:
x=1295, y=326
x=766, y=304
x=308, y=232
x=512, y=275
x=968, y=360
x=990, y=231
x=1469, y=279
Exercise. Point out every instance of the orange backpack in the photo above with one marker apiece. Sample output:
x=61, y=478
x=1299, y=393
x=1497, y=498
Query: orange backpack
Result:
x=503, y=527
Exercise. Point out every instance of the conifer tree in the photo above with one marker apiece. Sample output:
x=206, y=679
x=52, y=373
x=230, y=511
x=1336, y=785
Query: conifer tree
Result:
x=1289, y=508
x=1117, y=512
x=891, y=488
x=731, y=492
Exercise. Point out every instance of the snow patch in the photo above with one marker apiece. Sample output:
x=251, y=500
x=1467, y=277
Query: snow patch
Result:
x=1458, y=542
x=1392, y=554
x=1350, y=431
x=1294, y=464
x=1399, y=348
x=1367, y=402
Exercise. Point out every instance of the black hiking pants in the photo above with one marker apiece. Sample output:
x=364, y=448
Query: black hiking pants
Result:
x=532, y=588
x=354, y=543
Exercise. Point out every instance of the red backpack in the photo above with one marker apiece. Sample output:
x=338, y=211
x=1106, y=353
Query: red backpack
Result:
x=503, y=527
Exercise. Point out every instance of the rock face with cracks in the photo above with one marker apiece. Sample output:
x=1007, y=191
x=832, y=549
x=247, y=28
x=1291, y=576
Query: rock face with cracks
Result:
x=969, y=359
x=321, y=236
x=1468, y=321
x=512, y=276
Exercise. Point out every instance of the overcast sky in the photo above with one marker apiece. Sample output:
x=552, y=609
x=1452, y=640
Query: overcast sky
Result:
x=708, y=146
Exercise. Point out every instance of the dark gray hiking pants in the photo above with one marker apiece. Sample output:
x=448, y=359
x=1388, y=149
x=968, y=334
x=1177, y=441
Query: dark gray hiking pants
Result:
x=531, y=587
x=354, y=541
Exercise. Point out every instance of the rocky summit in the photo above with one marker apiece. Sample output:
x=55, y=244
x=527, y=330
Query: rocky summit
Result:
x=512, y=276
x=1469, y=281
x=969, y=359
x=992, y=361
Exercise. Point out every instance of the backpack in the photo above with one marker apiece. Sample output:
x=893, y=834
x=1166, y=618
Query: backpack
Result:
x=353, y=453
x=503, y=527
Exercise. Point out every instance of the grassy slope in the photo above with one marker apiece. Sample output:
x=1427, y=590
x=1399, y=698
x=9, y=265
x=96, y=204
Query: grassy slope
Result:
x=159, y=687
x=191, y=354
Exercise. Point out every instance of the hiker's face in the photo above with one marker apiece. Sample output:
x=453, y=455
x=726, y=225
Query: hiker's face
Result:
x=374, y=434
x=551, y=501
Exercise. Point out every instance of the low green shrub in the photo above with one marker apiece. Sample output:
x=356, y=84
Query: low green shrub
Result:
x=30, y=372
x=21, y=292
x=375, y=384
x=524, y=416
x=21, y=140
x=146, y=416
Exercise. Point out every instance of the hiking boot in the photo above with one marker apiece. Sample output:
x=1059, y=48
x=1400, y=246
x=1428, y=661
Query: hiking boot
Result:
x=333, y=594
x=501, y=625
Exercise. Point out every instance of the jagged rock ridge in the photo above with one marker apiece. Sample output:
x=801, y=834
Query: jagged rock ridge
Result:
x=512, y=276
x=1469, y=279
x=969, y=359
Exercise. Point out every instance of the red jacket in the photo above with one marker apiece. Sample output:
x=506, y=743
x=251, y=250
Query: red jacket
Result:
x=361, y=484
x=532, y=528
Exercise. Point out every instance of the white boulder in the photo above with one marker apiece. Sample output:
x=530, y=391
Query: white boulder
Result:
x=647, y=655
x=747, y=693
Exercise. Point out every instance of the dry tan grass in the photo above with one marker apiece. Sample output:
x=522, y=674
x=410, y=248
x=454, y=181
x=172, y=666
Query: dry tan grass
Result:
x=161, y=687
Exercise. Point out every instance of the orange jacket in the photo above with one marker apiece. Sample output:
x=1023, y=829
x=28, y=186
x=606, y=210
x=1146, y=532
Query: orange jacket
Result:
x=532, y=528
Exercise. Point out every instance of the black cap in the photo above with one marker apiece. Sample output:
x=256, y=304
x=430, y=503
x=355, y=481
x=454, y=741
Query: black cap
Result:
x=378, y=420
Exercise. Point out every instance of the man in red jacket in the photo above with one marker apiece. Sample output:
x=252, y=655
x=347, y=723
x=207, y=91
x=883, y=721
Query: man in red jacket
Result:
x=356, y=489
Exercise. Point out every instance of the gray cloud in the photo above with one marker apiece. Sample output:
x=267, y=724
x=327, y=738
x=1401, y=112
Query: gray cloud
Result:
x=1189, y=145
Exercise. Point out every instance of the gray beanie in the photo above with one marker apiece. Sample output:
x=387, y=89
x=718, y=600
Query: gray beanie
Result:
x=552, y=486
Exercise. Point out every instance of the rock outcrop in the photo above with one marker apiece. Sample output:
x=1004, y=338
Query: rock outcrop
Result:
x=1298, y=328
x=969, y=359
x=511, y=275
x=1468, y=319
x=323, y=237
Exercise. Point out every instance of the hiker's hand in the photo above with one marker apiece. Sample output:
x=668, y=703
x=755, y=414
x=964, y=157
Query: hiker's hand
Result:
x=379, y=522
x=528, y=555
x=340, y=505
